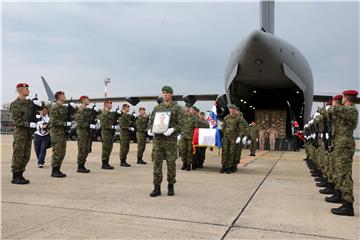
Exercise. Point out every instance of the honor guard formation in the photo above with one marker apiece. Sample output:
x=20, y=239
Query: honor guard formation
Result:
x=328, y=139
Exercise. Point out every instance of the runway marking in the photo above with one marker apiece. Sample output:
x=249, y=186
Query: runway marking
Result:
x=251, y=197
x=289, y=232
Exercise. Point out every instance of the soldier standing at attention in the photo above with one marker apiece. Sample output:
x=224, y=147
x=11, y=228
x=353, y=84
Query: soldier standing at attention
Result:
x=108, y=128
x=197, y=124
x=124, y=124
x=243, y=132
x=83, y=131
x=230, y=129
x=262, y=137
x=203, y=124
x=141, y=126
x=58, y=134
x=273, y=134
x=165, y=144
x=345, y=120
x=21, y=110
x=187, y=131
x=254, y=134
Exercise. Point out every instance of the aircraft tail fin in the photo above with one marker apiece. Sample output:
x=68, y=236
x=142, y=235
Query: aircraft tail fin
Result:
x=48, y=90
x=267, y=9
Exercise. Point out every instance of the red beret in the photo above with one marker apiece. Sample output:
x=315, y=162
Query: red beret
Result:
x=350, y=92
x=107, y=101
x=337, y=97
x=83, y=97
x=19, y=85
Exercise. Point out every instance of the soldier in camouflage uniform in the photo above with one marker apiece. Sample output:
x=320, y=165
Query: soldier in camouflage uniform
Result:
x=142, y=122
x=124, y=124
x=203, y=123
x=345, y=119
x=83, y=131
x=21, y=110
x=230, y=129
x=254, y=135
x=165, y=144
x=58, y=134
x=243, y=133
x=187, y=131
x=109, y=125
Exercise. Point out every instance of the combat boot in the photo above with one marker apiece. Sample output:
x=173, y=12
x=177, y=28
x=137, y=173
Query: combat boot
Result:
x=336, y=198
x=82, y=169
x=156, y=192
x=316, y=174
x=23, y=179
x=222, y=170
x=171, y=190
x=140, y=161
x=330, y=189
x=320, y=179
x=16, y=179
x=322, y=184
x=201, y=164
x=346, y=209
x=183, y=166
x=228, y=170
x=124, y=164
x=233, y=169
x=57, y=173
x=188, y=167
x=106, y=165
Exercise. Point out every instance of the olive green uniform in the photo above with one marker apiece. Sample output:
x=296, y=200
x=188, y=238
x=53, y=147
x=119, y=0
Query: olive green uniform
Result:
x=230, y=129
x=83, y=131
x=107, y=120
x=141, y=129
x=254, y=134
x=124, y=123
x=187, y=131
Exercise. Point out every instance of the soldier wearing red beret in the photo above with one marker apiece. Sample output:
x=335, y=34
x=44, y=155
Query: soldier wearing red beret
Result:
x=345, y=120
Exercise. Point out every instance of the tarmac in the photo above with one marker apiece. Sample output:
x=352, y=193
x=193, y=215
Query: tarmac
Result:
x=271, y=196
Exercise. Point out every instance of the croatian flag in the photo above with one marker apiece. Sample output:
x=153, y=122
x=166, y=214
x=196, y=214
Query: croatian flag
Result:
x=206, y=137
x=212, y=117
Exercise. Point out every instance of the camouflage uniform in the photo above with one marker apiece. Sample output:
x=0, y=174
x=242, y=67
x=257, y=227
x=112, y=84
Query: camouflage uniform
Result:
x=83, y=118
x=254, y=134
x=345, y=120
x=230, y=129
x=58, y=133
x=20, y=111
x=124, y=123
x=107, y=120
x=187, y=131
x=244, y=131
x=141, y=128
x=165, y=146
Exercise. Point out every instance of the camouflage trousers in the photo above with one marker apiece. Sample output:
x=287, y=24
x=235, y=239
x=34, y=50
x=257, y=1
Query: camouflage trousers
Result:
x=343, y=171
x=107, y=144
x=21, y=149
x=321, y=157
x=141, y=144
x=124, y=145
x=58, y=144
x=237, y=155
x=164, y=150
x=186, y=151
x=253, y=146
x=228, y=152
x=84, y=145
x=331, y=167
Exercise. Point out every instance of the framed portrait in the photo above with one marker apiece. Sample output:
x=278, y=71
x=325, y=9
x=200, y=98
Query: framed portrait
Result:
x=161, y=122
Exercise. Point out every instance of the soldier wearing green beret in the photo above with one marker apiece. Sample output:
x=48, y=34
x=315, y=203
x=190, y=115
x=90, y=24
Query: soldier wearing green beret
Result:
x=187, y=131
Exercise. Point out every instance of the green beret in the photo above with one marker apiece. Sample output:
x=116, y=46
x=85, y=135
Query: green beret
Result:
x=195, y=108
x=167, y=89
x=188, y=105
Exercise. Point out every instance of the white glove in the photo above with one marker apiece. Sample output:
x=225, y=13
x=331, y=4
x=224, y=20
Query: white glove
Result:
x=32, y=125
x=306, y=126
x=244, y=140
x=67, y=124
x=116, y=127
x=118, y=111
x=92, y=126
x=169, y=132
x=327, y=108
x=179, y=137
x=150, y=133
x=321, y=135
x=248, y=142
x=237, y=140
x=327, y=136
x=73, y=105
x=131, y=129
x=316, y=114
x=257, y=139
x=96, y=109
x=37, y=102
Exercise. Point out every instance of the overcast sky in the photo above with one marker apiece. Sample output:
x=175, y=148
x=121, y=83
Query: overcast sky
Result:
x=142, y=46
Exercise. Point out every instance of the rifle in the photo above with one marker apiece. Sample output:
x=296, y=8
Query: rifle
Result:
x=69, y=117
x=34, y=109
